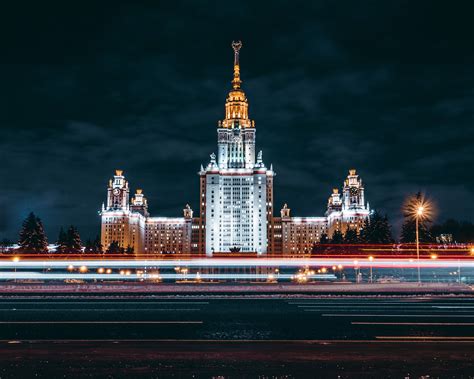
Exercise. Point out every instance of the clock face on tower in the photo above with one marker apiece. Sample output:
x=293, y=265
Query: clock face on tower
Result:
x=116, y=191
x=354, y=191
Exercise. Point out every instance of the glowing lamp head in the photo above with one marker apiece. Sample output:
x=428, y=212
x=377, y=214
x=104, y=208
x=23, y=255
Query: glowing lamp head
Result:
x=434, y=256
x=16, y=259
x=371, y=258
x=419, y=207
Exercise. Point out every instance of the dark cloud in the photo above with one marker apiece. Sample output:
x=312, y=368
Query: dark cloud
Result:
x=385, y=87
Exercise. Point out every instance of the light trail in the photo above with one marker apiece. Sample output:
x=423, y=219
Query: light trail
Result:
x=106, y=302
x=324, y=342
x=190, y=277
x=415, y=323
x=242, y=263
x=101, y=322
x=382, y=315
x=361, y=307
x=430, y=338
x=100, y=309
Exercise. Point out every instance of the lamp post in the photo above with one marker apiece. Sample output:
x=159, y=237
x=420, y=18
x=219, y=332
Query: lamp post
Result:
x=459, y=271
x=15, y=260
x=418, y=215
x=371, y=258
x=356, y=262
x=420, y=209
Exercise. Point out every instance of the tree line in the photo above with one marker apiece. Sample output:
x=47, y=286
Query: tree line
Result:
x=377, y=230
x=33, y=240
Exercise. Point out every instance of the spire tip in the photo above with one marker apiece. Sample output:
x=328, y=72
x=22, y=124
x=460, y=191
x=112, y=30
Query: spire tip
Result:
x=236, y=46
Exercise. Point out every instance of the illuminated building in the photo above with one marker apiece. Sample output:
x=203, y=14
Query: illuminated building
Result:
x=235, y=202
x=236, y=186
x=130, y=224
x=351, y=210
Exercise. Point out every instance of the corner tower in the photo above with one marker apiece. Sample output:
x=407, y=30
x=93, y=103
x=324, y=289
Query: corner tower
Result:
x=236, y=187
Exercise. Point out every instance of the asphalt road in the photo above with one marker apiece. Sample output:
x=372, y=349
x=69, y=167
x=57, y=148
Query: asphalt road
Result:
x=207, y=336
x=236, y=318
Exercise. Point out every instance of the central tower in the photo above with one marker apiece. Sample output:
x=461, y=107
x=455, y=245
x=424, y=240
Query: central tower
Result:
x=236, y=187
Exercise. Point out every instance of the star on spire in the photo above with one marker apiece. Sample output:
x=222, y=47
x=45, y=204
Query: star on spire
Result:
x=236, y=46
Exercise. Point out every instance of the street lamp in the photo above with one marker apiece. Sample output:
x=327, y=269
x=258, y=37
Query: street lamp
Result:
x=418, y=215
x=16, y=260
x=371, y=258
x=356, y=262
x=420, y=209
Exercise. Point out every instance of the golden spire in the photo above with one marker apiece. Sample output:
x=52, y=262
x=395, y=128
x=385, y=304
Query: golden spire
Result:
x=236, y=105
x=236, y=82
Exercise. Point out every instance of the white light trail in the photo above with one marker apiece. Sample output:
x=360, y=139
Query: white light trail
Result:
x=190, y=277
x=242, y=262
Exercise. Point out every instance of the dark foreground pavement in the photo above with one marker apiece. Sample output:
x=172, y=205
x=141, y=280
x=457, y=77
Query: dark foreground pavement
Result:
x=234, y=335
x=265, y=359
x=237, y=288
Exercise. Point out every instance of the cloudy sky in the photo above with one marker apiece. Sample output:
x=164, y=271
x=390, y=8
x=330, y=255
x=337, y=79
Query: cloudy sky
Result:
x=386, y=87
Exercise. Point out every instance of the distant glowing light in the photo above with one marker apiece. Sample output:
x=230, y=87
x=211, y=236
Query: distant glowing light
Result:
x=419, y=207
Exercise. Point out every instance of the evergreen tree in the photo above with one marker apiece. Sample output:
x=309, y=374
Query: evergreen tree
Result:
x=89, y=247
x=351, y=236
x=74, y=244
x=376, y=229
x=129, y=250
x=324, y=239
x=62, y=245
x=408, y=233
x=97, y=246
x=114, y=248
x=337, y=237
x=32, y=238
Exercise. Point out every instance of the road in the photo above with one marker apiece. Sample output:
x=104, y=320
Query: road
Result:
x=204, y=335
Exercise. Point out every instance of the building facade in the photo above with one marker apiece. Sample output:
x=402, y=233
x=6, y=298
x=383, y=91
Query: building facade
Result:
x=235, y=203
x=129, y=224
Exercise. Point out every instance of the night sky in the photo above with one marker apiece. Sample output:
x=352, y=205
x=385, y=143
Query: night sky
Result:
x=88, y=87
